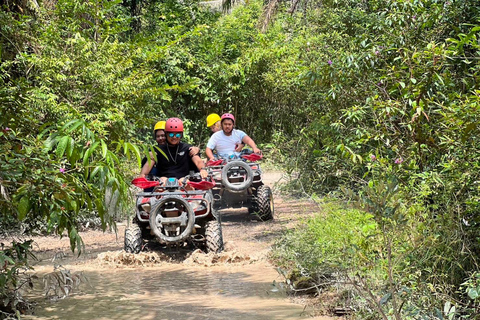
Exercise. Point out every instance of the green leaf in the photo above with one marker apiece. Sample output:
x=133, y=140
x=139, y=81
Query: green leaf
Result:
x=473, y=293
x=76, y=241
x=113, y=158
x=136, y=151
x=95, y=171
x=68, y=124
x=385, y=298
x=101, y=210
x=62, y=145
x=104, y=148
x=161, y=151
x=23, y=207
x=70, y=147
x=125, y=149
x=89, y=152
x=73, y=204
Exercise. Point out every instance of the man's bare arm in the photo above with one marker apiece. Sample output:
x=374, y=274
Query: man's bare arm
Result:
x=239, y=147
x=251, y=143
x=200, y=166
x=147, y=167
x=209, y=153
x=194, y=151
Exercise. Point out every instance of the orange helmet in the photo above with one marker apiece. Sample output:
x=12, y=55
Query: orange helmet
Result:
x=174, y=125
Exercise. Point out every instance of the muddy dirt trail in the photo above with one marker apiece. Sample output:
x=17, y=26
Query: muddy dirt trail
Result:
x=107, y=283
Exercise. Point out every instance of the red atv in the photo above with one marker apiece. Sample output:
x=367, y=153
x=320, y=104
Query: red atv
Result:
x=238, y=183
x=172, y=214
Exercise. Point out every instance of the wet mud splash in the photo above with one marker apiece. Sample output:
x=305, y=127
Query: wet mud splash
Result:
x=122, y=258
x=62, y=283
x=197, y=257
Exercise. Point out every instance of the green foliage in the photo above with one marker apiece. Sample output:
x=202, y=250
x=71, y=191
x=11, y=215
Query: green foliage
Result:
x=389, y=87
x=380, y=98
x=337, y=240
x=471, y=288
x=14, y=262
x=57, y=178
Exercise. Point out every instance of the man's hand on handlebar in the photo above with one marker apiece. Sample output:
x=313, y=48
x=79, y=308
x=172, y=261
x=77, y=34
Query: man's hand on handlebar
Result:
x=203, y=173
x=257, y=151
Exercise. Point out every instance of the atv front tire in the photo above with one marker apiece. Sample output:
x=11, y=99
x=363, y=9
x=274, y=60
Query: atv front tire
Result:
x=133, y=238
x=213, y=235
x=263, y=205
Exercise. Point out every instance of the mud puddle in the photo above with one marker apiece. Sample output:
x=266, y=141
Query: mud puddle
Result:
x=154, y=288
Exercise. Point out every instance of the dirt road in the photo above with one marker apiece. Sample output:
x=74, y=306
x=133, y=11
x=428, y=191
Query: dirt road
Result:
x=107, y=283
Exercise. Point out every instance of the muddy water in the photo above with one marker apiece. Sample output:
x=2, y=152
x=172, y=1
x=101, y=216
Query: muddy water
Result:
x=174, y=291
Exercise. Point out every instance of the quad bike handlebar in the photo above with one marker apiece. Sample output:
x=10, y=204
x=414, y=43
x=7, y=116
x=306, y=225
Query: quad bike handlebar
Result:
x=144, y=183
x=252, y=157
x=202, y=185
x=195, y=181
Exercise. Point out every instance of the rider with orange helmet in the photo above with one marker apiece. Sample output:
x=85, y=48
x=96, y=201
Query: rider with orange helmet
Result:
x=173, y=158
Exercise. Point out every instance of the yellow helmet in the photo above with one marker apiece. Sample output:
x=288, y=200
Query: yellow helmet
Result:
x=160, y=125
x=212, y=119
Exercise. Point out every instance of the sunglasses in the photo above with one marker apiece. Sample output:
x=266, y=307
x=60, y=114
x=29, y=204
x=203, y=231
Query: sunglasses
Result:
x=176, y=135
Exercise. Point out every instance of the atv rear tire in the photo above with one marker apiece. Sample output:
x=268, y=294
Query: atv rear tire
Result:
x=263, y=205
x=234, y=187
x=213, y=235
x=133, y=238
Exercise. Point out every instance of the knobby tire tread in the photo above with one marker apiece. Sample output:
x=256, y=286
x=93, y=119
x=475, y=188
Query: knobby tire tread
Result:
x=213, y=235
x=264, y=196
x=133, y=238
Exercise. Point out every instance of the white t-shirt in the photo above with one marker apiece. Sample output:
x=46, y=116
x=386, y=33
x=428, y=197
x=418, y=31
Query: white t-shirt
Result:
x=225, y=145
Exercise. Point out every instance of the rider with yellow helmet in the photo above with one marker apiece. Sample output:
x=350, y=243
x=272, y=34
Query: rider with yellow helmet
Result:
x=213, y=122
x=159, y=132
